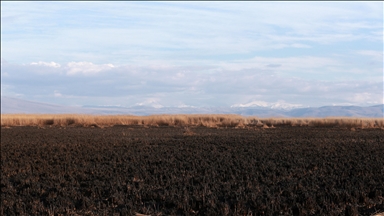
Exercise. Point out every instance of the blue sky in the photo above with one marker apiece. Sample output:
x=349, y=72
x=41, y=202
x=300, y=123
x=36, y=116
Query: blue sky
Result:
x=193, y=53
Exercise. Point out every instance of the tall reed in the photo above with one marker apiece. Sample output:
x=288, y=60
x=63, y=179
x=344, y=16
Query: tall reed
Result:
x=208, y=120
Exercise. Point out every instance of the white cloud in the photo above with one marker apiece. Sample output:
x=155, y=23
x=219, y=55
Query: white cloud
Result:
x=299, y=45
x=177, y=31
x=367, y=98
x=86, y=68
x=48, y=64
x=245, y=83
x=374, y=54
x=57, y=94
x=284, y=64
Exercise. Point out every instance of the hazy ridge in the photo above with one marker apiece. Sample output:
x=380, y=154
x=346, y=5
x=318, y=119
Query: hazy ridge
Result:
x=14, y=105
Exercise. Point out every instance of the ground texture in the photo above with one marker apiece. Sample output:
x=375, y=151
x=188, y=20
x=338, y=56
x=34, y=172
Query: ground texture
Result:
x=195, y=171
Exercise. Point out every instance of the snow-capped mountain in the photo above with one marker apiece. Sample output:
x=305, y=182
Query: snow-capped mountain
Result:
x=262, y=104
x=149, y=103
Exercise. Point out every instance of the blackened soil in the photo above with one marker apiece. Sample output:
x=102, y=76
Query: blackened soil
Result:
x=165, y=171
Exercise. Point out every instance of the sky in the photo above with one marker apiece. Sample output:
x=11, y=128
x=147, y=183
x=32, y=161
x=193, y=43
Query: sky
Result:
x=199, y=54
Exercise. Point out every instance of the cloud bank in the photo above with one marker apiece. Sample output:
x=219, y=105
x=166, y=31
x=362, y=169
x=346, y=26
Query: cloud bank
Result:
x=193, y=54
x=85, y=83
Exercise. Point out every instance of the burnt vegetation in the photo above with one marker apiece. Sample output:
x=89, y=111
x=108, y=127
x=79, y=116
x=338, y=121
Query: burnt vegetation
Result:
x=163, y=170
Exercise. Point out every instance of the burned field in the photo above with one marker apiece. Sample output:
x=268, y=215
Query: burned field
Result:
x=200, y=171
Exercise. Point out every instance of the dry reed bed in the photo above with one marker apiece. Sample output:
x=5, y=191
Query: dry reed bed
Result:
x=208, y=120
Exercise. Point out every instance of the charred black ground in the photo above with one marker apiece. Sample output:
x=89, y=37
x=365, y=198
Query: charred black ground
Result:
x=199, y=171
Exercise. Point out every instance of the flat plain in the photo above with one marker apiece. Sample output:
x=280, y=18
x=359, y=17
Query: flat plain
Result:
x=196, y=170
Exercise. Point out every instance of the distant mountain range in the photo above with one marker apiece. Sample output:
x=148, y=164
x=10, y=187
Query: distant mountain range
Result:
x=263, y=104
x=14, y=105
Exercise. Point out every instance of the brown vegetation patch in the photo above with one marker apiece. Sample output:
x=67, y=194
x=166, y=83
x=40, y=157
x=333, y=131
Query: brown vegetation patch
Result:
x=212, y=121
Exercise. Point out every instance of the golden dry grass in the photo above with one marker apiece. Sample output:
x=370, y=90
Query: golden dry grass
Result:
x=208, y=120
